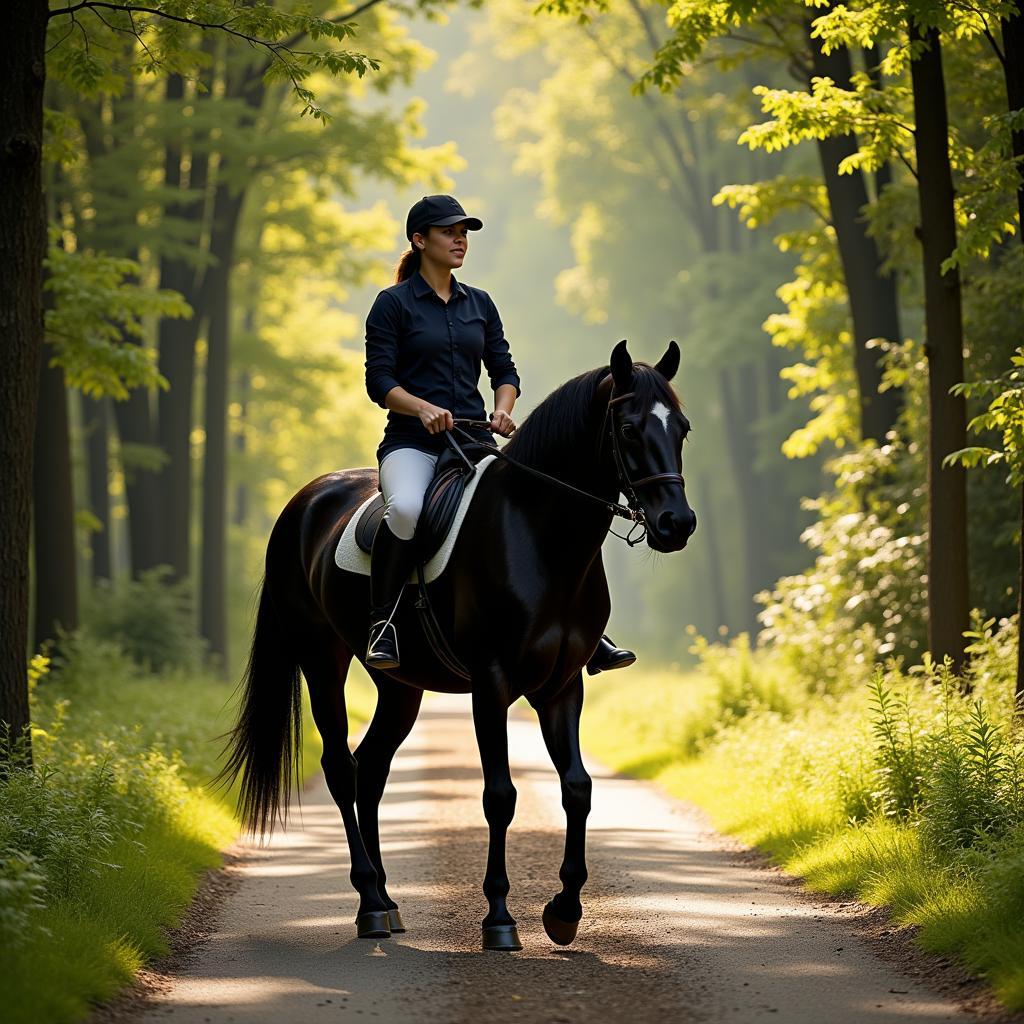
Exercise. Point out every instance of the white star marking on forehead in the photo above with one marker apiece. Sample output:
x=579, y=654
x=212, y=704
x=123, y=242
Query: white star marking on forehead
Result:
x=661, y=410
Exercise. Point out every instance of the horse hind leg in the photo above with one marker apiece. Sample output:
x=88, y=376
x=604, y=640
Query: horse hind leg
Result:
x=396, y=711
x=560, y=725
x=325, y=666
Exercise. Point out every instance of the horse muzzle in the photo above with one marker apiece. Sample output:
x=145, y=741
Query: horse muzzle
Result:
x=672, y=529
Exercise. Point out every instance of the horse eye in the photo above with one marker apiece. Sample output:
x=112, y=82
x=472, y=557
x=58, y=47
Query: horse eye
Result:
x=628, y=431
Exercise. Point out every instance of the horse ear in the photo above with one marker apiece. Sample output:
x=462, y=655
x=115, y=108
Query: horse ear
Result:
x=669, y=362
x=622, y=366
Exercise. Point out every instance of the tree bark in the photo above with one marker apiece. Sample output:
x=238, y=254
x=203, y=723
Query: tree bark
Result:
x=1018, y=689
x=241, y=510
x=1013, y=73
x=947, y=418
x=874, y=307
x=97, y=454
x=56, y=578
x=213, y=593
x=22, y=249
x=135, y=426
x=177, y=340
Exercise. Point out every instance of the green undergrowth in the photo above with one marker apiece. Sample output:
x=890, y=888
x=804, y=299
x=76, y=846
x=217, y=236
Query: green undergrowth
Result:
x=104, y=841
x=898, y=789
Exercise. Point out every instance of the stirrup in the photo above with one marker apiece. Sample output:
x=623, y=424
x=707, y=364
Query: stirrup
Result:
x=382, y=648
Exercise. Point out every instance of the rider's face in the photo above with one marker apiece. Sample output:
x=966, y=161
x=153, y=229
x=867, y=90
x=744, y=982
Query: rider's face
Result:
x=443, y=246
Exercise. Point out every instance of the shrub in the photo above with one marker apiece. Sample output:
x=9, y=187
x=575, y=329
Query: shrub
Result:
x=150, y=618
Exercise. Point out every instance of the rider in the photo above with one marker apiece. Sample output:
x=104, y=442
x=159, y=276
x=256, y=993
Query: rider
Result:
x=426, y=337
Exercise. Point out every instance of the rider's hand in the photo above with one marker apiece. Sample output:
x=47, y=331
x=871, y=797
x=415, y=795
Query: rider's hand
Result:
x=436, y=419
x=501, y=423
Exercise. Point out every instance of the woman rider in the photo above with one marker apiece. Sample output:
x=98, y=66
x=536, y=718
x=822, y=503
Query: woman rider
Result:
x=426, y=337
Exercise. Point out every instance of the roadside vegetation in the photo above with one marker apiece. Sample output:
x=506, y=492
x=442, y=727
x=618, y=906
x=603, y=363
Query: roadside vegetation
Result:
x=105, y=838
x=904, y=788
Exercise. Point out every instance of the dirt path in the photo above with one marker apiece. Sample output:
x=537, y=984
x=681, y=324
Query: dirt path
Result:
x=676, y=927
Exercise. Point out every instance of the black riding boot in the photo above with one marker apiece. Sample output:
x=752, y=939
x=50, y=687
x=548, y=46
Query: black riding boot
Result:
x=608, y=656
x=391, y=562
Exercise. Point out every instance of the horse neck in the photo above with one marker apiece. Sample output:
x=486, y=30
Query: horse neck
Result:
x=585, y=462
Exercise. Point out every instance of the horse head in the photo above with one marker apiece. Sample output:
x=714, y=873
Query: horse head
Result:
x=647, y=428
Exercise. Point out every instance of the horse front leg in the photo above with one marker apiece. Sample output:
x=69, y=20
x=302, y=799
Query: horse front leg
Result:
x=490, y=720
x=560, y=725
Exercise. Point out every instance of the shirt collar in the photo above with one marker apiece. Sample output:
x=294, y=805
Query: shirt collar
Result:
x=421, y=287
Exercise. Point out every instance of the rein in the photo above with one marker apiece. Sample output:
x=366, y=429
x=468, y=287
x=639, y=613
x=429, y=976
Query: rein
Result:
x=631, y=511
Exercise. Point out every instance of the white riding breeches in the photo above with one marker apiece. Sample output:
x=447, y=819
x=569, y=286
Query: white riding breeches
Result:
x=405, y=474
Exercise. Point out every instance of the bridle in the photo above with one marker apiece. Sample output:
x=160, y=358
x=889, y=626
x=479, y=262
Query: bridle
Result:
x=631, y=511
x=626, y=485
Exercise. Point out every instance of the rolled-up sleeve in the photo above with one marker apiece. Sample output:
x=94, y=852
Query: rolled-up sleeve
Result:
x=383, y=323
x=496, y=357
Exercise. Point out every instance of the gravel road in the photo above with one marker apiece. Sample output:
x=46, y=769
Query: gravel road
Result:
x=676, y=926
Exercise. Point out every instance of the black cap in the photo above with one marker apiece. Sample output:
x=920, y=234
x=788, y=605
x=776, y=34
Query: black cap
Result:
x=440, y=211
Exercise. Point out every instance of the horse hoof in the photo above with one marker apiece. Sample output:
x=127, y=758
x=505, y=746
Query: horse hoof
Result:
x=374, y=925
x=503, y=937
x=395, y=921
x=559, y=932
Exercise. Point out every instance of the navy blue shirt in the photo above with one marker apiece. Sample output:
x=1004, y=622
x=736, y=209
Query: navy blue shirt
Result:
x=434, y=350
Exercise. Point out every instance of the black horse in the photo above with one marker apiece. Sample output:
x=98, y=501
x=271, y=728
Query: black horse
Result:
x=524, y=600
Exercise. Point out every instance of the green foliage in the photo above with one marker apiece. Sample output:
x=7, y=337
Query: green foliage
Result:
x=165, y=33
x=1004, y=417
x=102, y=840
x=96, y=305
x=899, y=752
x=151, y=619
x=864, y=596
x=900, y=790
x=974, y=793
x=22, y=887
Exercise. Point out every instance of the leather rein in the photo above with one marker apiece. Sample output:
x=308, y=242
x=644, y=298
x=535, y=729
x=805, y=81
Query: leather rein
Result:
x=631, y=511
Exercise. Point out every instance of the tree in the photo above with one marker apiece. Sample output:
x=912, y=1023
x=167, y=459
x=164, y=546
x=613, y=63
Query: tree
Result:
x=22, y=246
x=1005, y=418
x=23, y=234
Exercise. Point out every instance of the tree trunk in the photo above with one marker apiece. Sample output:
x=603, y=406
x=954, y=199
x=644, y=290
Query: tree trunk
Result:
x=738, y=421
x=177, y=340
x=1013, y=72
x=136, y=428
x=874, y=308
x=1019, y=687
x=22, y=249
x=241, y=512
x=947, y=420
x=213, y=593
x=97, y=453
x=56, y=581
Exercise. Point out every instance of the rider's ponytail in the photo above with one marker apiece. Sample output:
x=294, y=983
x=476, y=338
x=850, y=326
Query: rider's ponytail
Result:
x=407, y=265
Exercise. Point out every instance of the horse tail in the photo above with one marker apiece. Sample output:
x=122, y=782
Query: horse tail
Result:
x=265, y=745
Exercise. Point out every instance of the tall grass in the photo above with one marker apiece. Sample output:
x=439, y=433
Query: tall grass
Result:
x=103, y=840
x=903, y=790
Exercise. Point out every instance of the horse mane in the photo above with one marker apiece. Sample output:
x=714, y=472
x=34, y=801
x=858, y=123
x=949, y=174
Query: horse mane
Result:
x=560, y=432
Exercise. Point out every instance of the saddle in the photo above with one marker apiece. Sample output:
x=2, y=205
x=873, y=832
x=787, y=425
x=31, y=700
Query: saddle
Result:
x=454, y=469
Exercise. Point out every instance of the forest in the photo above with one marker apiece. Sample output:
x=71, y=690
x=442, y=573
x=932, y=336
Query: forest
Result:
x=820, y=202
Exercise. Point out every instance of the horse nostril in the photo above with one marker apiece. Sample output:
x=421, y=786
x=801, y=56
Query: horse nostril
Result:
x=668, y=524
x=693, y=522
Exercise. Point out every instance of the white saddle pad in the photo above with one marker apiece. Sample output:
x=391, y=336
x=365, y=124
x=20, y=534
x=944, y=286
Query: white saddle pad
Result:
x=350, y=557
